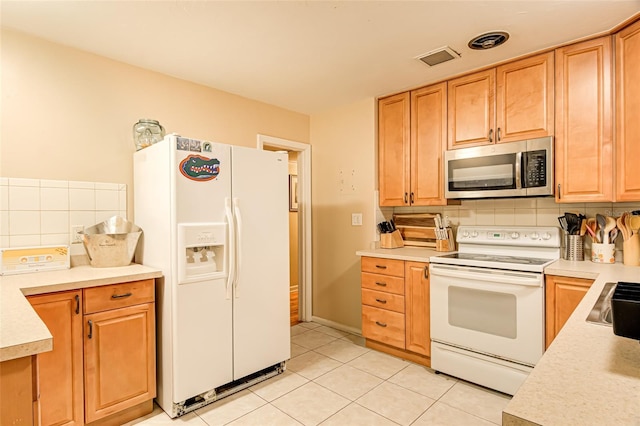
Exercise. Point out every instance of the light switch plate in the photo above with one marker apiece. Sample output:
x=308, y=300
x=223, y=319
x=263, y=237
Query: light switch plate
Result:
x=356, y=219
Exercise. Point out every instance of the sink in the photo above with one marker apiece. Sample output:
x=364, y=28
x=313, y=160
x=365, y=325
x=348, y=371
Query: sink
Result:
x=601, y=311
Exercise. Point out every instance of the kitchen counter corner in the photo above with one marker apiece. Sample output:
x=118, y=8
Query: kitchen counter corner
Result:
x=415, y=254
x=22, y=333
x=588, y=376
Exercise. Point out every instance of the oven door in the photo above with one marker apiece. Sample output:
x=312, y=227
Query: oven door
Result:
x=490, y=311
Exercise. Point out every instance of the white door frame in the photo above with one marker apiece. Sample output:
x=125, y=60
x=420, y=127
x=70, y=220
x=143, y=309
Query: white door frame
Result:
x=304, y=215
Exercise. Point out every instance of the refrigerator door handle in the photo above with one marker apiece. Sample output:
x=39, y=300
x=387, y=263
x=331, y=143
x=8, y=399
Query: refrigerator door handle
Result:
x=238, y=247
x=231, y=247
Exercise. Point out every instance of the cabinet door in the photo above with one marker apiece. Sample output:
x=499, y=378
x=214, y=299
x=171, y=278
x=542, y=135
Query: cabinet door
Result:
x=119, y=351
x=393, y=150
x=524, y=99
x=428, y=141
x=471, y=109
x=563, y=294
x=628, y=113
x=417, y=331
x=584, y=121
x=60, y=370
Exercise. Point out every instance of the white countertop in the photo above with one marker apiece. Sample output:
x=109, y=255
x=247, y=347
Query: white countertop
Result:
x=22, y=333
x=415, y=254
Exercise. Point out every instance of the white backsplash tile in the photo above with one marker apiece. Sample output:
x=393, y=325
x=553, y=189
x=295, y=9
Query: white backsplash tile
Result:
x=524, y=217
x=24, y=240
x=485, y=217
x=54, y=222
x=505, y=217
x=82, y=199
x=24, y=222
x=547, y=217
x=54, y=198
x=24, y=198
x=107, y=199
x=35, y=212
x=4, y=198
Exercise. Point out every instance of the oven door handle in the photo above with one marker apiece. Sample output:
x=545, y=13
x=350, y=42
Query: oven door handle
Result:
x=493, y=275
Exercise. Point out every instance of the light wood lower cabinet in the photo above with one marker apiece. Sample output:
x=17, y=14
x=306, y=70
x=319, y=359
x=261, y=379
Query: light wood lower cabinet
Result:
x=395, y=307
x=18, y=392
x=102, y=367
x=563, y=294
x=60, y=370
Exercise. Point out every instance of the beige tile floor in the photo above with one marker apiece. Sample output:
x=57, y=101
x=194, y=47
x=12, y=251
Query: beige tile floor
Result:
x=333, y=380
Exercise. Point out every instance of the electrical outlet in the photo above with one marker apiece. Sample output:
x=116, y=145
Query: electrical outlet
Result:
x=76, y=234
x=356, y=219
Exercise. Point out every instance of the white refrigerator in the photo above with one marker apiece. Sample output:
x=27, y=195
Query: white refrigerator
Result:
x=215, y=221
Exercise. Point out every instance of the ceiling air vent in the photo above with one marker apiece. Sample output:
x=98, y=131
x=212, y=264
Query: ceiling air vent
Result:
x=438, y=56
x=488, y=40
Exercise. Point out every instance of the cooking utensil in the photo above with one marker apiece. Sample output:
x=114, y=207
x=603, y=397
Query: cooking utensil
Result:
x=592, y=228
x=623, y=227
x=602, y=222
x=610, y=224
x=634, y=224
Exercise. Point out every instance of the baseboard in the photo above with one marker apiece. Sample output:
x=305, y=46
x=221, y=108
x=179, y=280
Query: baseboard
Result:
x=337, y=326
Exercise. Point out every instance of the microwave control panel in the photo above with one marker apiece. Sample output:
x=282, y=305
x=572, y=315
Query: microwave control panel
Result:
x=535, y=169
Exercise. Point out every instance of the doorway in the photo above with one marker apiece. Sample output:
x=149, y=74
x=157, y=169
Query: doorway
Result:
x=300, y=179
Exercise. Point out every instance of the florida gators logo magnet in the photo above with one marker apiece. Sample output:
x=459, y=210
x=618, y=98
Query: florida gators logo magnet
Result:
x=199, y=168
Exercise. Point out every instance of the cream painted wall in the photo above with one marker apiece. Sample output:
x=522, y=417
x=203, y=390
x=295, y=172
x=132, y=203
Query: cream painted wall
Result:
x=344, y=147
x=68, y=114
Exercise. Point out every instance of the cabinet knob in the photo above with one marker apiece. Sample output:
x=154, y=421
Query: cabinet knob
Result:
x=405, y=198
x=498, y=135
x=381, y=301
x=381, y=324
x=120, y=296
x=77, y=304
x=490, y=135
x=381, y=283
x=90, y=323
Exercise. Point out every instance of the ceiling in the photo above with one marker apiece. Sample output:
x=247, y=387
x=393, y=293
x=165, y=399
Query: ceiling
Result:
x=309, y=56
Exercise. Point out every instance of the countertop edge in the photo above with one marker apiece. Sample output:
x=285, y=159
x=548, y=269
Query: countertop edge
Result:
x=22, y=332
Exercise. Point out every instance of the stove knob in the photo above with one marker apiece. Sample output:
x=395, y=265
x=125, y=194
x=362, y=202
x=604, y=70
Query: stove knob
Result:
x=535, y=236
x=546, y=236
x=465, y=234
x=515, y=235
x=474, y=234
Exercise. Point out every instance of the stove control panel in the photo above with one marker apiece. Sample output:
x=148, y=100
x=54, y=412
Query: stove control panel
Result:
x=531, y=236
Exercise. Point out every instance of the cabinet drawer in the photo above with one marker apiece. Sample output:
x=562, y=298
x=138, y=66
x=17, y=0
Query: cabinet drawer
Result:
x=382, y=266
x=383, y=300
x=382, y=283
x=383, y=326
x=115, y=296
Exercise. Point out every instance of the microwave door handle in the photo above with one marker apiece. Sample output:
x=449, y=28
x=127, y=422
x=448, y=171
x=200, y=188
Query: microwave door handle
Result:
x=519, y=170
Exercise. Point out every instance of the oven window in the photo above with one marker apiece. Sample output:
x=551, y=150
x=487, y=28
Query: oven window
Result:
x=484, y=311
x=482, y=173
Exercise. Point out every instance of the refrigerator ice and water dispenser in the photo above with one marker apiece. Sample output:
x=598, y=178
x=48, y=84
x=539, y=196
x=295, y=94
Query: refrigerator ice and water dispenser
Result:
x=201, y=251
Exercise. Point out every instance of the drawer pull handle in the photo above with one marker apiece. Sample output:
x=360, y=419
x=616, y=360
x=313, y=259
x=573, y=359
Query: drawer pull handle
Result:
x=90, y=329
x=77, y=304
x=381, y=267
x=381, y=301
x=121, y=296
x=381, y=324
x=381, y=283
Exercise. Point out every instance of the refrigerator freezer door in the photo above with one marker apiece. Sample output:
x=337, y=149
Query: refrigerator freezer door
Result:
x=261, y=289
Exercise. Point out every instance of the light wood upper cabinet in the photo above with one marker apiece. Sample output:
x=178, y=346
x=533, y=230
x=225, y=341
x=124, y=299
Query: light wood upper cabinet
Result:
x=524, y=99
x=428, y=142
x=628, y=113
x=471, y=109
x=511, y=102
x=393, y=150
x=584, y=121
x=412, y=128
x=417, y=312
x=562, y=295
x=60, y=370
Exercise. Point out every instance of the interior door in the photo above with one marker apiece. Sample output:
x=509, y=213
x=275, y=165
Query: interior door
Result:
x=261, y=293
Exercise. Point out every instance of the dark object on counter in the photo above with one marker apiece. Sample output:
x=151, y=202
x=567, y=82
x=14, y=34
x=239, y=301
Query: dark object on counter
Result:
x=386, y=227
x=625, y=310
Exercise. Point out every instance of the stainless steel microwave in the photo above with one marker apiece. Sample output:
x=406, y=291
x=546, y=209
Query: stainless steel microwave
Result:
x=513, y=169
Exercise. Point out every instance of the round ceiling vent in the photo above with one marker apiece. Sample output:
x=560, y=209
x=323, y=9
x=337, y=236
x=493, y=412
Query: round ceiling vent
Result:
x=488, y=40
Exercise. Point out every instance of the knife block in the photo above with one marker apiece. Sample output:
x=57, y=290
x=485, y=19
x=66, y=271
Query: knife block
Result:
x=446, y=245
x=391, y=240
